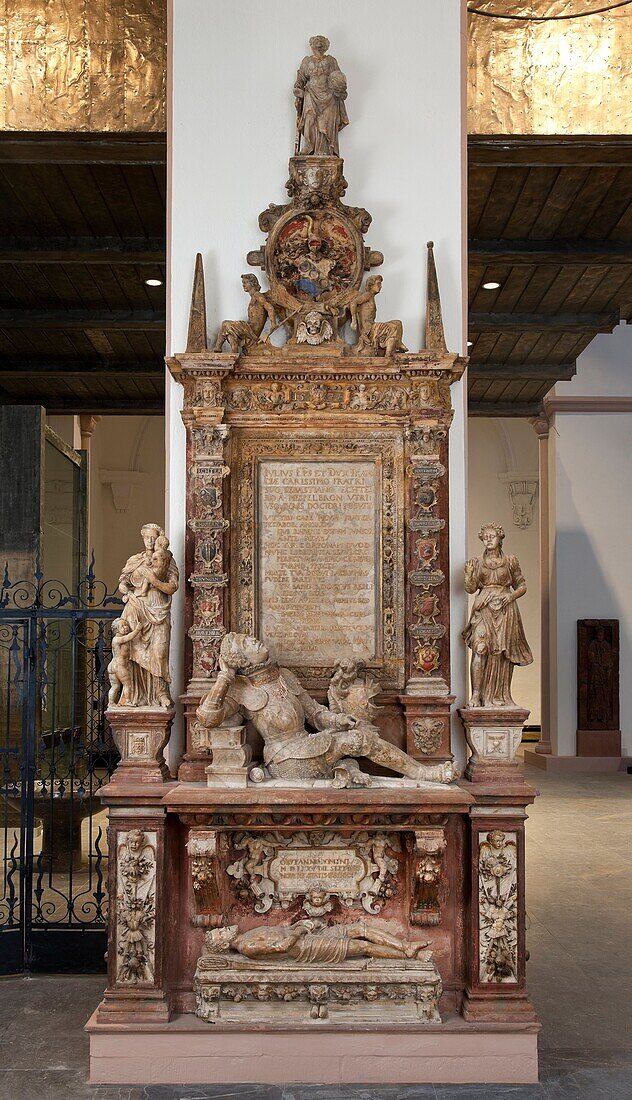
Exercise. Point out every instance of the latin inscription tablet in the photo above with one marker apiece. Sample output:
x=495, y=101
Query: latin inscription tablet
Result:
x=317, y=553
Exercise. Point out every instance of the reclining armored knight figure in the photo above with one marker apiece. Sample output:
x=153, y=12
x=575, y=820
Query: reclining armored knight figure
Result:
x=250, y=683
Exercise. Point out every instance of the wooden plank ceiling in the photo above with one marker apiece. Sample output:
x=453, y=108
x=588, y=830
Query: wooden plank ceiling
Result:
x=550, y=219
x=82, y=226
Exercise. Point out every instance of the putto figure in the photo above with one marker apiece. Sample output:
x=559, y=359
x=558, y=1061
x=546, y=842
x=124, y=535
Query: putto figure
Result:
x=319, y=94
x=494, y=633
x=250, y=683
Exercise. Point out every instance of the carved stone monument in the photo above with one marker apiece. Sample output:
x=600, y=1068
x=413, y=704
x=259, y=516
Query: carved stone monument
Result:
x=317, y=869
x=598, y=724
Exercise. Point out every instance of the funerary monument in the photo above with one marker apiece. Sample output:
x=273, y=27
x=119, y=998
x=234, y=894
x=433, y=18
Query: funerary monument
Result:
x=317, y=882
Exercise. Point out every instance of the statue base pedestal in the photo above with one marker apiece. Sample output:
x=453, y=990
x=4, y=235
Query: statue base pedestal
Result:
x=259, y=1051
x=493, y=735
x=140, y=735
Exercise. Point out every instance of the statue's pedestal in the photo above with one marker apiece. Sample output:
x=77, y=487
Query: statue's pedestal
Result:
x=416, y=864
x=493, y=735
x=141, y=735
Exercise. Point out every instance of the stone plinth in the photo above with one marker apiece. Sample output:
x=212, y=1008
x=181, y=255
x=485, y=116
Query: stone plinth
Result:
x=187, y=1050
x=360, y=989
x=493, y=735
x=230, y=757
x=141, y=734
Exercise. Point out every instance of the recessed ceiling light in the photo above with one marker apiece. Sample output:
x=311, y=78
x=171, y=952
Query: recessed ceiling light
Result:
x=153, y=282
x=491, y=286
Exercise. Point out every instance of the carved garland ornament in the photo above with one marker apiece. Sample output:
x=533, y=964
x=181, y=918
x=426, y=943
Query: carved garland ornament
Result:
x=498, y=907
x=136, y=906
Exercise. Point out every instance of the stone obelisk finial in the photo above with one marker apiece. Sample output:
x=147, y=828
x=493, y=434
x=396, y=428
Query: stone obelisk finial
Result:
x=435, y=337
x=196, y=339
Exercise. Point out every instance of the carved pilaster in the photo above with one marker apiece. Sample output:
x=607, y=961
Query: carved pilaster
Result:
x=427, y=641
x=497, y=954
x=208, y=524
x=137, y=984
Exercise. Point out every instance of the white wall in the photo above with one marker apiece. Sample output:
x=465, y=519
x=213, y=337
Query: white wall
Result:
x=232, y=133
x=132, y=445
x=592, y=464
x=497, y=446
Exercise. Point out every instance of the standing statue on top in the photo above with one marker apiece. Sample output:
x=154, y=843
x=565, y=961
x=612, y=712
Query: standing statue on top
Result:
x=319, y=94
x=494, y=633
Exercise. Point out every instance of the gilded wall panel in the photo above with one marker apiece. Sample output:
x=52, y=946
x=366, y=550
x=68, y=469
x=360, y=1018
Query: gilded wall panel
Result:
x=565, y=77
x=77, y=65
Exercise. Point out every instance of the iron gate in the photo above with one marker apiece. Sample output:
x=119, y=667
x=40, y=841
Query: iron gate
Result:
x=56, y=751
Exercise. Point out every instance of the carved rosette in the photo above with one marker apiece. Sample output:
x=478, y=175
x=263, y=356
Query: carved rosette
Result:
x=427, y=646
x=135, y=906
x=498, y=907
x=208, y=526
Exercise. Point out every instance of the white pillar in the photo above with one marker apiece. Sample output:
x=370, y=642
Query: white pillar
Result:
x=231, y=133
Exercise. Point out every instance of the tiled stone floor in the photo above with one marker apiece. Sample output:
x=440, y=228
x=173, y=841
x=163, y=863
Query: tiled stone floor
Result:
x=579, y=857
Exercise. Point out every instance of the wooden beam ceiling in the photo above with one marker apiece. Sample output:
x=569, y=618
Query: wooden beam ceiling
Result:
x=550, y=221
x=82, y=227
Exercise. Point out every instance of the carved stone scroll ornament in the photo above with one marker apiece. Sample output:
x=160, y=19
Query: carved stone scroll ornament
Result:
x=498, y=907
x=427, y=875
x=252, y=684
x=494, y=633
x=276, y=870
x=135, y=906
x=316, y=966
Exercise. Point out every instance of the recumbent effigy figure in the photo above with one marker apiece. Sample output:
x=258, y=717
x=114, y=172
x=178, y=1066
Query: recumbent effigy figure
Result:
x=312, y=941
x=250, y=683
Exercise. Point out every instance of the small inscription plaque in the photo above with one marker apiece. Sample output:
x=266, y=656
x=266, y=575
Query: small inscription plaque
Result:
x=294, y=870
x=318, y=538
